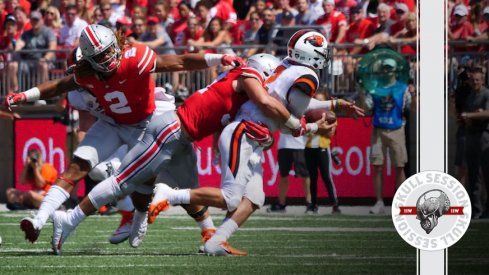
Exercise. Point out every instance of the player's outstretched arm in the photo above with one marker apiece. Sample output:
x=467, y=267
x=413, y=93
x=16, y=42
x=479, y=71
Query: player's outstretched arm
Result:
x=195, y=61
x=45, y=90
x=273, y=108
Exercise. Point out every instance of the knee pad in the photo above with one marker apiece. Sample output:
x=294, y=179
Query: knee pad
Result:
x=199, y=213
x=105, y=192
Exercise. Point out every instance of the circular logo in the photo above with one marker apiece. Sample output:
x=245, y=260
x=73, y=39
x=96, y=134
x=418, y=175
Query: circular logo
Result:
x=431, y=210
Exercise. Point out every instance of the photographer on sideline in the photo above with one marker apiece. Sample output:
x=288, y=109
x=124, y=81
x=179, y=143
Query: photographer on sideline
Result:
x=36, y=173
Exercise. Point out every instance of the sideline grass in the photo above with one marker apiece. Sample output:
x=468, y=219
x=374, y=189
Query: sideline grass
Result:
x=277, y=245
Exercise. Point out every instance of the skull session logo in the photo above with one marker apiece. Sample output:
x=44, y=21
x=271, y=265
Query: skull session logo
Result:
x=431, y=210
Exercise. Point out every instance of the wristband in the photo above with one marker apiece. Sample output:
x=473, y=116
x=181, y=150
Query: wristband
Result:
x=293, y=123
x=32, y=95
x=312, y=128
x=212, y=59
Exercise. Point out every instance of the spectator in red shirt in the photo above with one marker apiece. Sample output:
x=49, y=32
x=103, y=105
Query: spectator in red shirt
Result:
x=359, y=29
x=181, y=24
x=409, y=34
x=23, y=23
x=382, y=30
x=460, y=28
x=333, y=22
x=193, y=32
x=344, y=6
x=3, y=14
x=224, y=10
x=401, y=11
x=8, y=42
x=202, y=9
x=174, y=9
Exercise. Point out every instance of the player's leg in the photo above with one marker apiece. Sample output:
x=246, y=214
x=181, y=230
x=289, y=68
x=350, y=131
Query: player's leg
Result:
x=99, y=142
x=253, y=199
x=181, y=173
x=162, y=140
x=232, y=135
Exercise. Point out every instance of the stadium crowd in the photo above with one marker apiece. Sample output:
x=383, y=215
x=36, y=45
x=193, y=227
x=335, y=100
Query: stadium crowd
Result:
x=191, y=26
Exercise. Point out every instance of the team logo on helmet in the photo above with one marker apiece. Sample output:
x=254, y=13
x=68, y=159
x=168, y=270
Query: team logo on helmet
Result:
x=315, y=40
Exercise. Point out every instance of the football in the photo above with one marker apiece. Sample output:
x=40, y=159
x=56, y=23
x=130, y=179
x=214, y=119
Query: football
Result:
x=315, y=115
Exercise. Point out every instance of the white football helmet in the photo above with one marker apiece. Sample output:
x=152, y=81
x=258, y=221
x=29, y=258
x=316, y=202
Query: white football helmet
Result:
x=95, y=40
x=309, y=47
x=264, y=63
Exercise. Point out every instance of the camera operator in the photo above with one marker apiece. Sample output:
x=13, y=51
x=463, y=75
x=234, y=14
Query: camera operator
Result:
x=319, y=155
x=39, y=175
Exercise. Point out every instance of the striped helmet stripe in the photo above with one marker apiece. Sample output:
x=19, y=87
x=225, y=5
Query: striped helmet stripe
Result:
x=92, y=37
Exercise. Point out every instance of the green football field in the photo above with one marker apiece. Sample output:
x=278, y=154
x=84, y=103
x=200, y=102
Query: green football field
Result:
x=277, y=244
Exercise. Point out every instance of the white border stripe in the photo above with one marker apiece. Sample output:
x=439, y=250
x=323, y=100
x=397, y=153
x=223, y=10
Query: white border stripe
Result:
x=148, y=60
x=144, y=57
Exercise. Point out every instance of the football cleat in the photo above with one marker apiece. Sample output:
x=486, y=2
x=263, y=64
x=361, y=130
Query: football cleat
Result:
x=206, y=235
x=138, y=229
x=61, y=231
x=122, y=232
x=222, y=249
x=160, y=201
x=30, y=229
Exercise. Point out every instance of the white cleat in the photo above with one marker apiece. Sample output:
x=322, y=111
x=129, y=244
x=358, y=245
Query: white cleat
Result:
x=378, y=208
x=61, y=231
x=122, y=232
x=138, y=229
x=160, y=201
x=222, y=249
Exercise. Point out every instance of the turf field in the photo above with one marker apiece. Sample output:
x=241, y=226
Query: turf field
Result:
x=278, y=244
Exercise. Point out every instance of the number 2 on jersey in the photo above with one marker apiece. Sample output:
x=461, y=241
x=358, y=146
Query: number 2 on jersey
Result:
x=120, y=102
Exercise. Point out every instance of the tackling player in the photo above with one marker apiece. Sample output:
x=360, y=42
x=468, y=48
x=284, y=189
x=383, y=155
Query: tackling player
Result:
x=293, y=83
x=120, y=78
x=166, y=136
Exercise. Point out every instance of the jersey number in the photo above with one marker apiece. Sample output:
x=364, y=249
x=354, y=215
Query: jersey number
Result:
x=120, y=104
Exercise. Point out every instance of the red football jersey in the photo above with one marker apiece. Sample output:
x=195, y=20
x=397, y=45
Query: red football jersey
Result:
x=203, y=111
x=331, y=24
x=128, y=96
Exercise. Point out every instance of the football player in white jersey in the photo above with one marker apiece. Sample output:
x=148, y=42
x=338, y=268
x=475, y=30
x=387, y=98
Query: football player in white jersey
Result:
x=293, y=83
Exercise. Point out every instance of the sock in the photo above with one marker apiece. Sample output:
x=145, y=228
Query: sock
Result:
x=207, y=223
x=76, y=216
x=51, y=202
x=179, y=196
x=224, y=232
x=125, y=204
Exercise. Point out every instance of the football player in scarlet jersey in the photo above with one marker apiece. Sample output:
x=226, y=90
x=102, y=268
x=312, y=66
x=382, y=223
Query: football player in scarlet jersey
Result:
x=120, y=78
x=293, y=83
x=168, y=134
x=89, y=109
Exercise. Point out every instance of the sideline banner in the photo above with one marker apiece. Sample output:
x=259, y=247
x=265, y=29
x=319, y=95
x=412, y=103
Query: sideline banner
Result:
x=47, y=136
x=353, y=178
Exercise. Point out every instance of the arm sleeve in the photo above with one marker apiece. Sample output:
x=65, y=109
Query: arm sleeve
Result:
x=299, y=103
x=307, y=84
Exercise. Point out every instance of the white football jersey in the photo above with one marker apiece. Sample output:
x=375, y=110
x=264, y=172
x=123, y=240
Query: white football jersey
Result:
x=82, y=100
x=286, y=76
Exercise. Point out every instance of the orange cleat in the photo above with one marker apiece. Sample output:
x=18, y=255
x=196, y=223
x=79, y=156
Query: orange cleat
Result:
x=155, y=209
